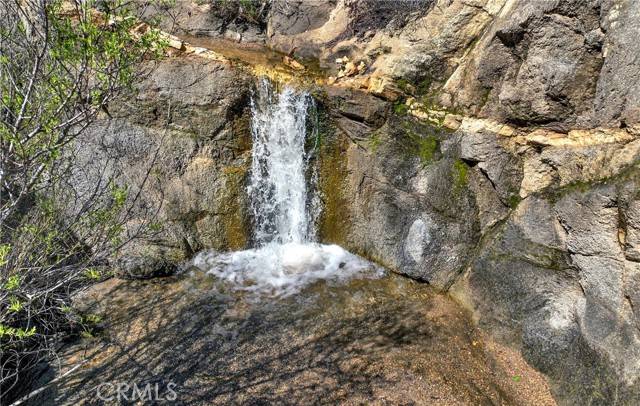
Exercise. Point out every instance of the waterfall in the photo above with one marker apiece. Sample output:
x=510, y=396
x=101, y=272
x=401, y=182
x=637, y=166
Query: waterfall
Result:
x=286, y=258
x=278, y=187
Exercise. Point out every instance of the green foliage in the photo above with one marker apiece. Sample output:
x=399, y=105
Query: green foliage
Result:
x=155, y=227
x=422, y=141
x=317, y=126
x=514, y=200
x=61, y=65
x=403, y=85
x=400, y=108
x=92, y=273
x=89, y=324
x=14, y=304
x=119, y=195
x=374, y=142
x=13, y=282
x=86, y=58
x=4, y=253
x=250, y=7
x=424, y=86
x=86, y=334
x=19, y=333
x=416, y=88
x=169, y=4
x=426, y=93
x=243, y=11
x=91, y=319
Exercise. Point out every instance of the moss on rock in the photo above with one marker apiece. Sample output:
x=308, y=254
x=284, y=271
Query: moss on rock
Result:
x=234, y=221
x=427, y=148
x=334, y=221
x=460, y=174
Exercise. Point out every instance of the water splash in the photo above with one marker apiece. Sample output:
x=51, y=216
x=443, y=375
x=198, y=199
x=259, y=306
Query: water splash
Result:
x=285, y=269
x=284, y=211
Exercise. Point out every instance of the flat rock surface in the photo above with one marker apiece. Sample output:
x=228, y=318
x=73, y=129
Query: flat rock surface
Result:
x=384, y=341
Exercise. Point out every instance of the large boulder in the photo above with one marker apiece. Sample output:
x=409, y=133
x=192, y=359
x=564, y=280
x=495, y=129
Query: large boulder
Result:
x=144, y=267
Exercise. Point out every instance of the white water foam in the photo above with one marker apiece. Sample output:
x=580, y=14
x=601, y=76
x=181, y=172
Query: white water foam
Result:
x=285, y=260
x=285, y=269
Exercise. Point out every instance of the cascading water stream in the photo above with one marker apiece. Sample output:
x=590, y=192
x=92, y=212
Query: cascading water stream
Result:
x=278, y=188
x=284, y=211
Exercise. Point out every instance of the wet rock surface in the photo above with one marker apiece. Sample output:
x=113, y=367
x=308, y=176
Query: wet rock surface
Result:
x=389, y=340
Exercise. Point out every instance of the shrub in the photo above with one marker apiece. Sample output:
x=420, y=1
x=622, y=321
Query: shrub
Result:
x=61, y=63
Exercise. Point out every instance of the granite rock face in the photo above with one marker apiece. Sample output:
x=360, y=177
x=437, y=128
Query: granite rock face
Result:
x=182, y=146
x=561, y=64
x=538, y=236
x=541, y=238
x=397, y=190
x=617, y=93
x=554, y=280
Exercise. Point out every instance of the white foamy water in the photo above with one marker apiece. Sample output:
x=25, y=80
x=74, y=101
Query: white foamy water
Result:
x=286, y=258
x=278, y=189
x=285, y=269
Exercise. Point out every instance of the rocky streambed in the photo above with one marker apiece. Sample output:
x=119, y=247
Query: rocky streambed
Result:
x=369, y=341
